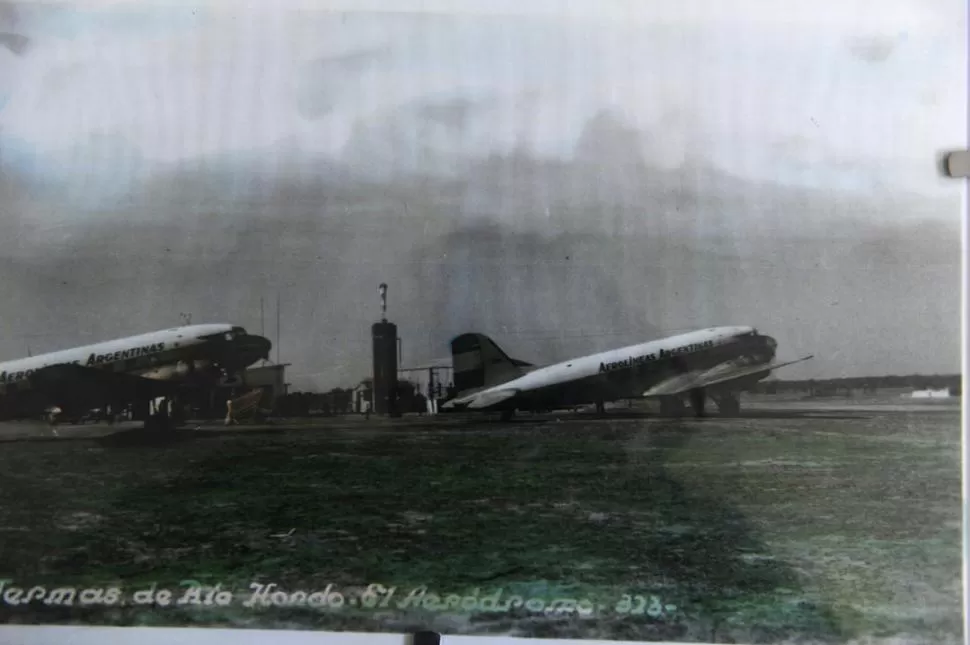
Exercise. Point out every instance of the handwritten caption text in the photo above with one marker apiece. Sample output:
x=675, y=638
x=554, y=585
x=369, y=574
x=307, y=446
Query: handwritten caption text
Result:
x=373, y=597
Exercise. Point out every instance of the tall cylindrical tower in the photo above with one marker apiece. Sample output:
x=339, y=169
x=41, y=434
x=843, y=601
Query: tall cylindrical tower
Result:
x=384, y=336
x=385, y=367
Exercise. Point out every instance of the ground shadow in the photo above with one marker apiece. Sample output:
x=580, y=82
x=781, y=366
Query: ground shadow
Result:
x=140, y=437
x=637, y=415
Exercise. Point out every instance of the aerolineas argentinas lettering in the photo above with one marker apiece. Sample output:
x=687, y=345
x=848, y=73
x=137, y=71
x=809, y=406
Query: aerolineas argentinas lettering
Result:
x=662, y=354
x=92, y=361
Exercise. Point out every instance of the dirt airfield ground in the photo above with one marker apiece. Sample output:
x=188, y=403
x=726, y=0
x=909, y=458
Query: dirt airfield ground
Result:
x=833, y=521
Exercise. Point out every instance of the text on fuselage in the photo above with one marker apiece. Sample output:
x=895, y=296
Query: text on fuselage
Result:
x=633, y=361
x=92, y=361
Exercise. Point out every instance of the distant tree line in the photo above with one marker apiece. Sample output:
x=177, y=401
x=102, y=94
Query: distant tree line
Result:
x=341, y=401
x=864, y=383
x=305, y=404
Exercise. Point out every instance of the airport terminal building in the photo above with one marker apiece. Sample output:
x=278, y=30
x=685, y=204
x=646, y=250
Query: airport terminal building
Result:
x=271, y=379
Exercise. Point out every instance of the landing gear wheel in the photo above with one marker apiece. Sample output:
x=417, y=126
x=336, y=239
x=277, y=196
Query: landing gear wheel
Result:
x=729, y=405
x=506, y=416
x=600, y=407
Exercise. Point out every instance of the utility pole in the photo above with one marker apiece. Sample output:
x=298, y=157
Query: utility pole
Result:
x=432, y=402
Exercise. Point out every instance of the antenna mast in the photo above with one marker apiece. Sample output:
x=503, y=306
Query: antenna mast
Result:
x=383, y=291
x=277, y=328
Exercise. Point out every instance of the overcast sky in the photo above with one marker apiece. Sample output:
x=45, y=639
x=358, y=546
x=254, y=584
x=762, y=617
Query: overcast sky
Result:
x=580, y=176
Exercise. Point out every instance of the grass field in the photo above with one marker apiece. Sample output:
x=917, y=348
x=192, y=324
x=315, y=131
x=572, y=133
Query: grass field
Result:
x=820, y=526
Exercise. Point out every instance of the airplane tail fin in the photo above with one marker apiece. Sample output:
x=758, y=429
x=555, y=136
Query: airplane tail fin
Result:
x=478, y=362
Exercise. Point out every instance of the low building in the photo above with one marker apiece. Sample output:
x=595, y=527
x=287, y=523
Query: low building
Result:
x=943, y=393
x=438, y=374
x=363, y=397
x=271, y=379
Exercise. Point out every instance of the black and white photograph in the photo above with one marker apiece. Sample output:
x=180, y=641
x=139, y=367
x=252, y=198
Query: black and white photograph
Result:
x=590, y=320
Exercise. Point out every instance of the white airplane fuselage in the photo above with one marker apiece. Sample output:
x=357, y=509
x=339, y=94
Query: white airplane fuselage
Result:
x=691, y=345
x=192, y=353
x=716, y=359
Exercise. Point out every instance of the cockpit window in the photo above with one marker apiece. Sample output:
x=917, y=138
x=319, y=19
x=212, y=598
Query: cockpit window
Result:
x=232, y=334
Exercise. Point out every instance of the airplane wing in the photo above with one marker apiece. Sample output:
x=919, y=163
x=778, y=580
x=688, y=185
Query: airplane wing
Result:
x=481, y=400
x=75, y=385
x=722, y=373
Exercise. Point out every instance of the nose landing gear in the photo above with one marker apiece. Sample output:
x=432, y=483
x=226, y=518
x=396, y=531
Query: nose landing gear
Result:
x=697, y=400
x=729, y=404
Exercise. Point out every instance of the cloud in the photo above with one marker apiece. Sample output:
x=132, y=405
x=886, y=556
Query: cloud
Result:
x=453, y=113
x=549, y=259
x=327, y=77
x=14, y=43
x=9, y=15
x=873, y=50
x=303, y=83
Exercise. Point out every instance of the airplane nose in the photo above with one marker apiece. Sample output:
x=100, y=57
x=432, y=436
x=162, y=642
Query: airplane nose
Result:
x=258, y=345
x=251, y=348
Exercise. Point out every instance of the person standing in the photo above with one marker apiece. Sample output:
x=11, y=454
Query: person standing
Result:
x=230, y=419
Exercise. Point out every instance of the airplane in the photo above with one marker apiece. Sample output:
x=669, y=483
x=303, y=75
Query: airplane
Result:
x=717, y=362
x=135, y=369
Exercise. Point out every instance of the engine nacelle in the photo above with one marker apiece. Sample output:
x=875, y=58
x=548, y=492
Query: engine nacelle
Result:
x=184, y=371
